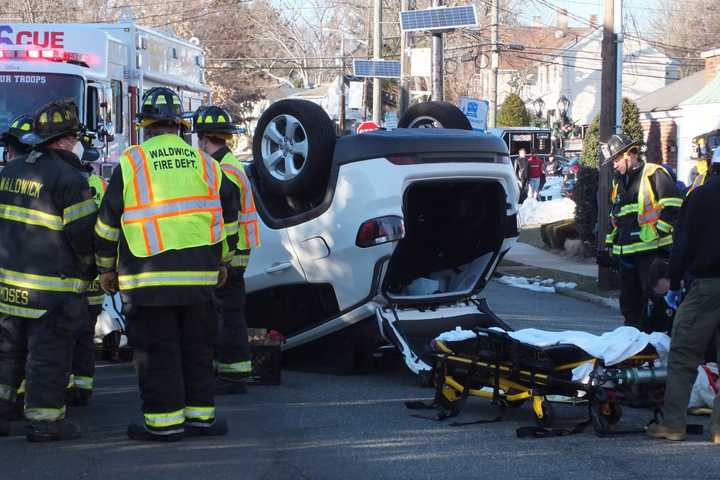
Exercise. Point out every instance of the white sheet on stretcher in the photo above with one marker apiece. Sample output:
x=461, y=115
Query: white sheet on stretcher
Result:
x=611, y=347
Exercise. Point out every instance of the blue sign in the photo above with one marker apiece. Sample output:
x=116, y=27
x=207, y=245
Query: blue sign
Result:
x=476, y=111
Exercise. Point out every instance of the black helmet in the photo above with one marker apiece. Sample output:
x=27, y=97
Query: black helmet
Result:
x=617, y=145
x=18, y=127
x=160, y=104
x=213, y=119
x=53, y=120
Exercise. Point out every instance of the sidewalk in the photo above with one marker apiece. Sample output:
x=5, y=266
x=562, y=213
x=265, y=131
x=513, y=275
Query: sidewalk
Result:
x=536, y=257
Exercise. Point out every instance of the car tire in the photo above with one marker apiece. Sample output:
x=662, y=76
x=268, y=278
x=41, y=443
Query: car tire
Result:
x=293, y=147
x=434, y=115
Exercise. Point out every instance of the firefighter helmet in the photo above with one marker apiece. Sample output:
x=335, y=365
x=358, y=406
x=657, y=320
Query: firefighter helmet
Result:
x=19, y=126
x=53, y=120
x=161, y=104
x=617, y=145
x=214, y=119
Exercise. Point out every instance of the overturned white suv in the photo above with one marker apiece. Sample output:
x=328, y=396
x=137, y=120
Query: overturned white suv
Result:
x=404, y=226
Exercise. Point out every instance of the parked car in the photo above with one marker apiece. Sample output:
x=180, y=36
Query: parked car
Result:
x=404, y=225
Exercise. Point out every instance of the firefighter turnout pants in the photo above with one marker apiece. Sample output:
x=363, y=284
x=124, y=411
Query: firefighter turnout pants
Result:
x=41, y=349
x=83, y=362
x=634, y=285
x=174, y=360
x=232, y=354
x=694, y=328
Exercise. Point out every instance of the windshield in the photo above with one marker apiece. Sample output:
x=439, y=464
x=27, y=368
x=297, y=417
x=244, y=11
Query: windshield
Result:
x=22, y=93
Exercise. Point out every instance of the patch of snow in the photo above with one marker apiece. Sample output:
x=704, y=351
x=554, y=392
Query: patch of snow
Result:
x=532, y=212
x=457, y=335
x=537, y=284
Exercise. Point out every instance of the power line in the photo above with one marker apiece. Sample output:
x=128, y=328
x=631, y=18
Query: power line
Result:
x=548, y=62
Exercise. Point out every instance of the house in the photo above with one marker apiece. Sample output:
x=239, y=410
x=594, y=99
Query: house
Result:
x=674, y=115
x=659, y=111
x=575, y=72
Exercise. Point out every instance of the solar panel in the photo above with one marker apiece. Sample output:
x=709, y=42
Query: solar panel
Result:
x=376, y=68
x=442, y=18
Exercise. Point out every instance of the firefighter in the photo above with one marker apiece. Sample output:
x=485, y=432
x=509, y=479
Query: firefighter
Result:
x=47, y=213
x=10, y=140
x=82, y=376
x=644, y=204
x=695, y=252
x=214, y=128
x=161, y=241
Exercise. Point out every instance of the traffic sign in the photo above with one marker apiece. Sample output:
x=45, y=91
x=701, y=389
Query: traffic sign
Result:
x=368, y=126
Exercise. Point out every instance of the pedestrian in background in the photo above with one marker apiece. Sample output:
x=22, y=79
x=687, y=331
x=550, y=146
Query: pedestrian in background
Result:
x=536, y=170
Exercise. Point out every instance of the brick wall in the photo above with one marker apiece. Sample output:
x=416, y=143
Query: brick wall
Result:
x=712, y=62
x=661, y=141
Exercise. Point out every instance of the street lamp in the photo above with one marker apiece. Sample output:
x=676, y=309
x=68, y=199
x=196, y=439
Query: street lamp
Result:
x=538, y=104
x=563, y=105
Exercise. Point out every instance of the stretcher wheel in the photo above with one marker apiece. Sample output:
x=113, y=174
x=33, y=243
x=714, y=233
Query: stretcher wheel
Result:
x=548, y=415
x=605, y=422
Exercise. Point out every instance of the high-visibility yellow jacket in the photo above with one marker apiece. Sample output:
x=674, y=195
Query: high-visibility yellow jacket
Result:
x=163, y=222
x=644, y=206
x=248, y=222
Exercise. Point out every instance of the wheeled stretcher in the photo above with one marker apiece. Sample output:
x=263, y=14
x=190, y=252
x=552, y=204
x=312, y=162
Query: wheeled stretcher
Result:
x=492, y=364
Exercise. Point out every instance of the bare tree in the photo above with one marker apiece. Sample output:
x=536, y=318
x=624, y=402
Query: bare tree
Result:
x=684, y=30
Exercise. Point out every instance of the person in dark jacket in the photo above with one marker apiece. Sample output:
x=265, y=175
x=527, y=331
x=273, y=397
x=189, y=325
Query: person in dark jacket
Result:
x=163, y=239
x=10, y=140
x=47, y=212
x=644, y=205
x=695, y=251
x=521, y=172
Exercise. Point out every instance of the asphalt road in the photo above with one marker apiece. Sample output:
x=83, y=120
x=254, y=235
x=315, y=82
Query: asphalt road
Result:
x=322, y=426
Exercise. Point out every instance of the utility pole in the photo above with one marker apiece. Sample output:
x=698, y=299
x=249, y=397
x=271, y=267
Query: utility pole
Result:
x=494, y=62
x=377, y=55
x=404, y=64
x=610, y=114
x=341, y=87
x=437, y=61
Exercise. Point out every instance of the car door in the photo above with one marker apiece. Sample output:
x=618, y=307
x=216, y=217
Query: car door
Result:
x=274, y=263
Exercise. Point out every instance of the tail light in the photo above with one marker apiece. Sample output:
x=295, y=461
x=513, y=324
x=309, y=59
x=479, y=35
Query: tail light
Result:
x=380, y=230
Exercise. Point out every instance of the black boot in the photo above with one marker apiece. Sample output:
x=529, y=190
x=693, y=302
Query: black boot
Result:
x=216, y=429
x=52, y=431
x=140, y=433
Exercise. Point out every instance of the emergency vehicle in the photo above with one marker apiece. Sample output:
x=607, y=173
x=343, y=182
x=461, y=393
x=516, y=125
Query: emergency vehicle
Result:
x=106, y=68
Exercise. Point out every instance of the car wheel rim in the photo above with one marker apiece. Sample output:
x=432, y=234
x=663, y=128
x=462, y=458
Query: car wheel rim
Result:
x=425, y=122
x=284, y=147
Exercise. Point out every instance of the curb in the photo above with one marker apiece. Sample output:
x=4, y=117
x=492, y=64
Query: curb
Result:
x=611, y=303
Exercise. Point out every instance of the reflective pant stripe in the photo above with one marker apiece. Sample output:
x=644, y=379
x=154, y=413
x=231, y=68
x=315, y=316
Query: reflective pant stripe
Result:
x=42, y=282
x=24, y=312
x=71, y=381
x=79, y=210
x=31, y=217
x=8, y=393
x=104, y=262
x=160, y=279
x=21, y=388
x=206, y=414
x=106, y=232
x=84, y=383
x=161, y=420
x=44, y=414
x=238, y=367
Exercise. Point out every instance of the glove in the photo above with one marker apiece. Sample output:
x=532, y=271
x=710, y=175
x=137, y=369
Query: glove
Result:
x=109, y=282
x=222, y=276
x=672, y=298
